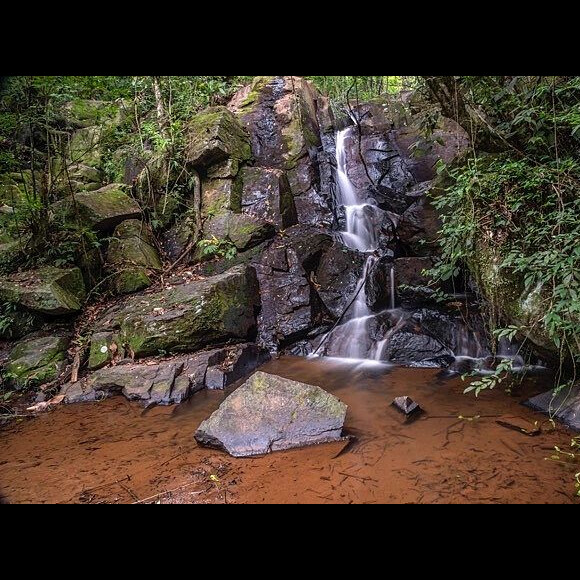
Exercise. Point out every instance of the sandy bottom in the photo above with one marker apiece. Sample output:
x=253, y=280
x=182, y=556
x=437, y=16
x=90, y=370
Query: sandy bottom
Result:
x=114, y=452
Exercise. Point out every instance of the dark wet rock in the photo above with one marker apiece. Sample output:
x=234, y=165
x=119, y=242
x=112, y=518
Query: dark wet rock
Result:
x=48, y=290
x=565, y=406
x=243, y=231
x=438, y=325
x=107, y=207
x=406, y=405
x=378, y=284
x=239, y=361
x=280, y=114
x=416, y=297
x=389, y=177
x=409, y=271
x=418, y=228
x=215, y=135
x=270, y=413
x=36, y=361
x=132, y=257
x=337, y=276
x=188, y=316
x=286, y=272
x=447, y=142
x=266, y=195
x=405, y=347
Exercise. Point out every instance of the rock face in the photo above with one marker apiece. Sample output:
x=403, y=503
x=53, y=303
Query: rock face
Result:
x=169, y=382
x=269, y=413
x=280, y=115
x=565, y=406
x=36, y=361
x=132, y=257
x=52, y=291
x=189, y=316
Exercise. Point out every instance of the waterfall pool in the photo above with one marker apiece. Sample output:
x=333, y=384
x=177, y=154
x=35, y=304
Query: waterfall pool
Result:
x=456, y=452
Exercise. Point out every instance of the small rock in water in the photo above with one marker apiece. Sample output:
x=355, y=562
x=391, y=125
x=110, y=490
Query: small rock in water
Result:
x=406, y=405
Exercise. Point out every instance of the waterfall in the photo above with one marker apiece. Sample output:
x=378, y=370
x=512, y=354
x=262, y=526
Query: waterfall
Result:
x=351, y=339
x=393, y=296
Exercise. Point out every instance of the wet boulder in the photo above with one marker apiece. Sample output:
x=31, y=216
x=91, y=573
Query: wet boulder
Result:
x=270, y=413
x=36, y=361
x=418, y=228
x=266, y=195
x=286, y=271
x=416, y=350
x=280, y=115
x=409, y=271
x=213, y=136
x=188, y=316
x=48, y=290
x=132, y=257
x=337, y=277
x=565, y=406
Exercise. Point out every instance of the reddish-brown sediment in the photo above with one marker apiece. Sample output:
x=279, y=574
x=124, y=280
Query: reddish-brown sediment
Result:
x=114, y=452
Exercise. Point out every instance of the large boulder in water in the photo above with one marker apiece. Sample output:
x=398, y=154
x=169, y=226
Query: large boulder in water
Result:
x=270, y=413
x=189, y=316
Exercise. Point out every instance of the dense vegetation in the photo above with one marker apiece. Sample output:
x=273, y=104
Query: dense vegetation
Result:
x=511, y=208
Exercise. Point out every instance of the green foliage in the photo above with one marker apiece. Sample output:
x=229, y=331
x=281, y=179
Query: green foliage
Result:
x=521, y=204
x=217, y=247
x=339, y=89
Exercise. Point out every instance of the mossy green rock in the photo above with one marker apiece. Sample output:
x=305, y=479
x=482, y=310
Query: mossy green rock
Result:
x=214, y=136
x=101, y=352
x=271, y=413
x=84, y=147
x=36, y=361
x=242, y=230
x=187, y=317
x=132, y=256
x=91, y=112
x=49, y=290
x=107, y=207
x=17, y=187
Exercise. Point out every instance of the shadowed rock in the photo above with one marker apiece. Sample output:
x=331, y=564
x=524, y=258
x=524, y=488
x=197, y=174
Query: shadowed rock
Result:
x=270, y=413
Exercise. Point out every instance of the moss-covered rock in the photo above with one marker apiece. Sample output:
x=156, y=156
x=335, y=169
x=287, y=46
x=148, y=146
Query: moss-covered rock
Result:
x=107, y=207
x=36, y=361
x=243, y=231
x=91, y=112
x=509, y=303
x=18, y=187
x=186, y=317
x=49, y=290
x=84, y=147
x=218, y=195
x=102, y=350
x=215, y=135
x=132, y=257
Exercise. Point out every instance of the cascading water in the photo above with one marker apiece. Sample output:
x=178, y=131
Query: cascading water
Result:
x=351, y=339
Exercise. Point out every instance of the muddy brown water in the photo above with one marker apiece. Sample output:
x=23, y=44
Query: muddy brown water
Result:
x=114, y=452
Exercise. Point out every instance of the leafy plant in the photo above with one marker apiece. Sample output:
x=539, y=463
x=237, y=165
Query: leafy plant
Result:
x=221, y=248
